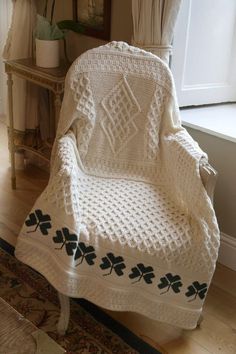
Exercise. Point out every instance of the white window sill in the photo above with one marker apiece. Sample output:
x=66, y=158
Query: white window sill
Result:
x=219, y=120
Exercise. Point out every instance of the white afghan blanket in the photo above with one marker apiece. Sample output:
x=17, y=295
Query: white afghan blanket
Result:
x=125, y=221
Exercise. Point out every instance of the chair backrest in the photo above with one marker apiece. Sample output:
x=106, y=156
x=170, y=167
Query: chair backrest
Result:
x=119, y=96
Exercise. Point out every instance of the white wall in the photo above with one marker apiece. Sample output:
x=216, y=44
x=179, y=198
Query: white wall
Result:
x=222, y=156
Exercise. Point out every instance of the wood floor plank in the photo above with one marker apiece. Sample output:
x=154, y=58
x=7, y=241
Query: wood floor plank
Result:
x=222, y=305
x=184, y=345
x=214, y=335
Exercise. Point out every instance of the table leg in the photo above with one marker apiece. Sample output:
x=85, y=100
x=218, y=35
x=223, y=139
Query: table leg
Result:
x=52, y=116
x=57, y=104
x=11, y=130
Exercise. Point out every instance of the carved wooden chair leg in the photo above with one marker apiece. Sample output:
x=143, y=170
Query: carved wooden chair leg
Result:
x=64, y=315
x=201, y=318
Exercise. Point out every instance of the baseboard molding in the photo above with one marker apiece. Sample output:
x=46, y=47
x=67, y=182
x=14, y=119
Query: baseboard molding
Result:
x=227, y=252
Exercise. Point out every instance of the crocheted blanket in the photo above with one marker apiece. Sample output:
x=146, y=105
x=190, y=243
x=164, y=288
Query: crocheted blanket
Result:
x=125, y=221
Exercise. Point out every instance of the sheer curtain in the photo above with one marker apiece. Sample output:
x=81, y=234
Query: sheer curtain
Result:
x=27, y=97
x=153, y=25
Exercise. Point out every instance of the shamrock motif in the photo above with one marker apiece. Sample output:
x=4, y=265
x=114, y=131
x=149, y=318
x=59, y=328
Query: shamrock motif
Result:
x=140, y=271
x=85, y=252
x=196, y=289
x=170, y=281
x=40, y=220
x=112, y=262
x=66, y=239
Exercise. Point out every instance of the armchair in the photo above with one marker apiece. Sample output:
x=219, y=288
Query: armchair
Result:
x=125, y=220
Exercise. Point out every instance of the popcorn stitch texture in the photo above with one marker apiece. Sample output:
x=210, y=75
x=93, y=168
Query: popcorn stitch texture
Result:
x=125, y=170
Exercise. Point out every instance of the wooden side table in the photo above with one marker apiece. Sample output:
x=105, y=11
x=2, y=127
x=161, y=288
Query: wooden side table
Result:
x=51, y=79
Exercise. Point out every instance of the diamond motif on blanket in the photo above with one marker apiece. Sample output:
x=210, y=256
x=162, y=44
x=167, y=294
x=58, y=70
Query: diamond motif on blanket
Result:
x=121, y=108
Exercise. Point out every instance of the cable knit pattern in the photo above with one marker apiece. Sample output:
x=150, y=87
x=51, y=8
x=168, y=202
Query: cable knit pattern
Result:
x=129, y=212
x=85, y=107
x=125, y=212
x=121, y=107
x=153, y=123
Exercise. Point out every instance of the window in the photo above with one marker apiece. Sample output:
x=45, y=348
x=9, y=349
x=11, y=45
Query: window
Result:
x=204, y=52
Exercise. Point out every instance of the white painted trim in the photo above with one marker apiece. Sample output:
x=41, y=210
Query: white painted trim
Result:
x=220, y=85
x=227, y=252
x=219, y=120
x=209, y=131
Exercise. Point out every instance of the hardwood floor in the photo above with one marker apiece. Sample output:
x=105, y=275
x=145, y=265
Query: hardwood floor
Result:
x=217, y=333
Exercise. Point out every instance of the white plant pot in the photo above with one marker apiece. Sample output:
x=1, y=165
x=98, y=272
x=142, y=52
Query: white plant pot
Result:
x=47, y=53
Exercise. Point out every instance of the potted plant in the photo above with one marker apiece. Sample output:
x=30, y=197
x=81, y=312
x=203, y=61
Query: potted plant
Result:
x=47, y=39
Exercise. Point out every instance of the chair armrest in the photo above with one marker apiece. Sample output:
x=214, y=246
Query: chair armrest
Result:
x=209, y=176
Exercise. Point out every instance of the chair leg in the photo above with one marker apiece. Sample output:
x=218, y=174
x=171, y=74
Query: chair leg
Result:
x=64, y=315
x=200, y=320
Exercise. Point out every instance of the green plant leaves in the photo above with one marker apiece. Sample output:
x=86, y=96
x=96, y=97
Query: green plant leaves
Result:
x=46, y=31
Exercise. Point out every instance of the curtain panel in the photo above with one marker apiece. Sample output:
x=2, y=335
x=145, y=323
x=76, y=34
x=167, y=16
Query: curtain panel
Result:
x=153, y=25
x=28, y=98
